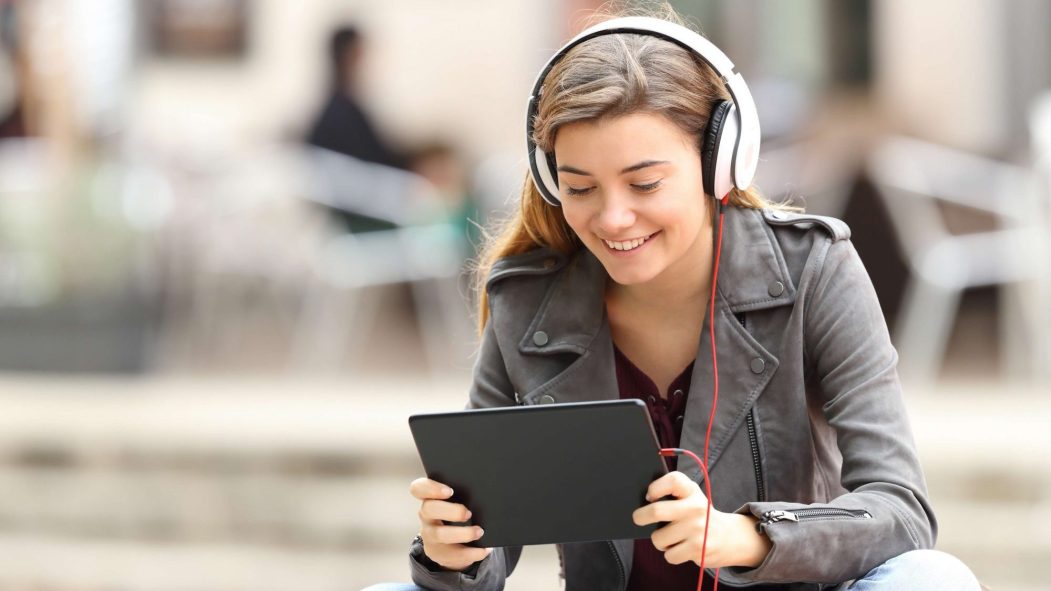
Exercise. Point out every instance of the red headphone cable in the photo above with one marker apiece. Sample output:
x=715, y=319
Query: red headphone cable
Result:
x=676, y=451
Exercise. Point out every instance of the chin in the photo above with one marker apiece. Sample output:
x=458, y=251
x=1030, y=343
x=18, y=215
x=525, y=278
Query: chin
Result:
x=618, y=271
x=629, y=277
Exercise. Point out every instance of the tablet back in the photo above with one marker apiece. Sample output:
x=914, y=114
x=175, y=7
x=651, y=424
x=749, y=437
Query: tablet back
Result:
x=545, y=474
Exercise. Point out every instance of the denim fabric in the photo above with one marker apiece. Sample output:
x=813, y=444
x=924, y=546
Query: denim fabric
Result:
x=919, y=570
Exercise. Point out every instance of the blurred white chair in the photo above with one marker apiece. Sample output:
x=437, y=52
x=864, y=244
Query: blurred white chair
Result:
x=915, y=180
x=255, y=253
x=1040, y=210
x=350, y=269
x=375, y=190
x=236, y=254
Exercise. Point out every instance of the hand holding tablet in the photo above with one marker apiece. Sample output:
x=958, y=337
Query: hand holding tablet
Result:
x=444, y=526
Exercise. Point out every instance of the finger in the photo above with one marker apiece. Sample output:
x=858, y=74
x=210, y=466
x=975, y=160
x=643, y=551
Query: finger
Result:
x=434, y=510
x=673, y=533
x=675, y=484
x=459, y=555
x=664, y=512
x=654, y=490
x=425, y=488
x=684, y=552
x=476, y=554
x=454, y=534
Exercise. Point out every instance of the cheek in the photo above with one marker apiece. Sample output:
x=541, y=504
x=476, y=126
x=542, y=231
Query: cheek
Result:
x=688, y=213
x=576, y=217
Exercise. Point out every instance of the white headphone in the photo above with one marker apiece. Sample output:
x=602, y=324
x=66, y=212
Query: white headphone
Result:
x=730, y=143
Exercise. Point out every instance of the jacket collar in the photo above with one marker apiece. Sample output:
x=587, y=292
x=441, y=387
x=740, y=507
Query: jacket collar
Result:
x=753, y=275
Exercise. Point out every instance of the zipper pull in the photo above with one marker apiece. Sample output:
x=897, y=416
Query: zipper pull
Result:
x=773, y=517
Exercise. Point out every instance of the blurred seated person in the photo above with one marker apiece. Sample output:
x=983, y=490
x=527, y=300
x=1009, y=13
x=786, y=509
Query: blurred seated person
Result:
x=344, y=127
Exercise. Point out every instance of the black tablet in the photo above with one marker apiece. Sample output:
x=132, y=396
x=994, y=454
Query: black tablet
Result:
x=544, y=474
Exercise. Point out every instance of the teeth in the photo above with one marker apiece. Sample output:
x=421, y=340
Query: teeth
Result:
x=627, y=245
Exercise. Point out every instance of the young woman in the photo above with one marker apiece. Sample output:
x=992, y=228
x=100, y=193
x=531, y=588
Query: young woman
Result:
x=636, y=240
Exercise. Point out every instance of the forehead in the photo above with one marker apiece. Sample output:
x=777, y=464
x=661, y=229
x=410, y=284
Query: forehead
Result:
x=637, y=135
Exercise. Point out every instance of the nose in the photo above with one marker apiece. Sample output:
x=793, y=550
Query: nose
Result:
x=615, y=217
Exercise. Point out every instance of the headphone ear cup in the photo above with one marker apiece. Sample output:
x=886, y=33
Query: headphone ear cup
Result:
x=711, y=151
x=545, y=175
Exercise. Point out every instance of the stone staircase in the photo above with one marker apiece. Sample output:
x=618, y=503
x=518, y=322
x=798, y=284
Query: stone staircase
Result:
x=255, y=483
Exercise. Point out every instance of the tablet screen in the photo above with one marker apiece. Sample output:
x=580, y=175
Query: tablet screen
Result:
x=544, y=474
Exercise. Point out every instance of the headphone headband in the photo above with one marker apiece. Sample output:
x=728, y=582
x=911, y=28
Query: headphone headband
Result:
x=745, y=142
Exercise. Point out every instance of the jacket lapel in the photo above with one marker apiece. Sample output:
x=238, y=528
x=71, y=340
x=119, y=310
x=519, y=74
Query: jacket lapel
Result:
x=745, y=368
x=572, y=320
x=753, y=275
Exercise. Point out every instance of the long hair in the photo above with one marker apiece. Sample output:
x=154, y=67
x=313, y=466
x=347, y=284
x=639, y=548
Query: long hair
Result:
x=606, y=77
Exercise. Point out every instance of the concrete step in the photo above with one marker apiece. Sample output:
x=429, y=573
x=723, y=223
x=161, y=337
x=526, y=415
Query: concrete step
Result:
x=128, y=478
x=341, y=513
x=42, y=562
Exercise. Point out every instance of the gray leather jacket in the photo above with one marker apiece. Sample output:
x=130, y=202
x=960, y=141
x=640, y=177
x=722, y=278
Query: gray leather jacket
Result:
x=810, y=436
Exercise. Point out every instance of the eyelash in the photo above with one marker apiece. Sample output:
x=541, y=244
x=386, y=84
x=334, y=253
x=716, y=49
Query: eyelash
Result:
x=641, y=188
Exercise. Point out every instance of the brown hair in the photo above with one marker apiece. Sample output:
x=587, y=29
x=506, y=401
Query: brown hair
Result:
x=606, y=77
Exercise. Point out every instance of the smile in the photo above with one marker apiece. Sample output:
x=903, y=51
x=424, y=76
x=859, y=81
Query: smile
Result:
x=628, y=245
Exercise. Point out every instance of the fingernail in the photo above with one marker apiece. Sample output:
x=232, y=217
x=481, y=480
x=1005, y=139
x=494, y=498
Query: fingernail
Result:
x=468, y=514
x=481, y=532
x=447, y=491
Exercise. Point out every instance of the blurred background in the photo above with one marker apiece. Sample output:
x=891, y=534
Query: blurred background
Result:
x=235, y=238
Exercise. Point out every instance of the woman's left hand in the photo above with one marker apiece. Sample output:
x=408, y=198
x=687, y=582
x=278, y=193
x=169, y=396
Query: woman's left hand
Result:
x=732, y=539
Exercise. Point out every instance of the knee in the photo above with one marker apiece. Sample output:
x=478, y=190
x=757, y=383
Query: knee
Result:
x=950, y=572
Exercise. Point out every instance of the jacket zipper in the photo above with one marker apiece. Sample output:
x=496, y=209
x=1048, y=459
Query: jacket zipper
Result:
x=760, y=488
x=756, y=463
x=798, y=515
x=620, y=565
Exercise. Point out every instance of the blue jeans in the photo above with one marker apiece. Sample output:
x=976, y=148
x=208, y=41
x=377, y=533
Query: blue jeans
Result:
x=926, y=570
x=918, y=569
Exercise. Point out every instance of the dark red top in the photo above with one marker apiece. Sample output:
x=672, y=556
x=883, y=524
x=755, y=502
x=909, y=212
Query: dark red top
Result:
x=649, y=568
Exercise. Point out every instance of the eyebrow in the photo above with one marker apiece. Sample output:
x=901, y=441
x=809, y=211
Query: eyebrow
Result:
x=632, y=168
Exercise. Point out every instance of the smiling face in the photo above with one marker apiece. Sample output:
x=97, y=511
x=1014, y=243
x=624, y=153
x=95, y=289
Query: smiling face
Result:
x=631, y=190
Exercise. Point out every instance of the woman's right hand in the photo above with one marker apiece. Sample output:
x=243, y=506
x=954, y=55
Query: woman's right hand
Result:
x=445, y=544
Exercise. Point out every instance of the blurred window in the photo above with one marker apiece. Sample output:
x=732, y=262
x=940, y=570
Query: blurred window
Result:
x=825, y=42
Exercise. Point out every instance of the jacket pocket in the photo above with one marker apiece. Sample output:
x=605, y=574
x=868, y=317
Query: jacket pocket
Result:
x=809, y=514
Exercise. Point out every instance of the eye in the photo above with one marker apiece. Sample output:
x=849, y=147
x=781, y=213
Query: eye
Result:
x=648, y=187
x=573, y=191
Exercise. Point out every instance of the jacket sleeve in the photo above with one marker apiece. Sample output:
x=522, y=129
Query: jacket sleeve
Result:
x=852, y=368
x=490, y=387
